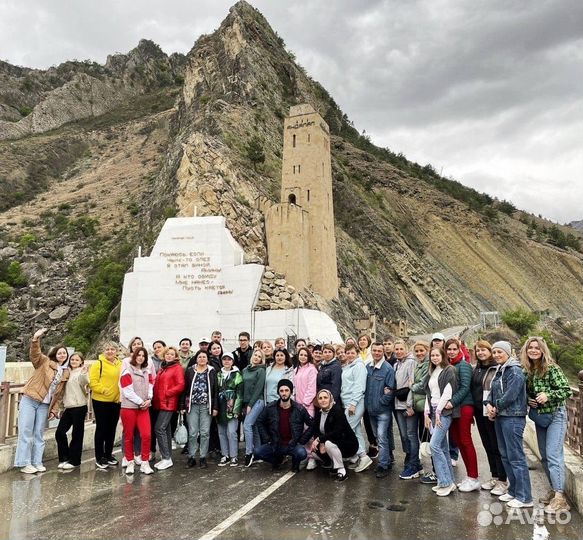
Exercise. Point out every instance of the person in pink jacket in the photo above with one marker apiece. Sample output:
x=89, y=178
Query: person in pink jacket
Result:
x=305, y=380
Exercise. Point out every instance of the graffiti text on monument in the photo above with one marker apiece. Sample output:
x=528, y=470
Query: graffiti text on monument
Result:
x=194, y=271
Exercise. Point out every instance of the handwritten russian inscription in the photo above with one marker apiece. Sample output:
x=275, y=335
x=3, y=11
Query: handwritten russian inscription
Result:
x=194, y=271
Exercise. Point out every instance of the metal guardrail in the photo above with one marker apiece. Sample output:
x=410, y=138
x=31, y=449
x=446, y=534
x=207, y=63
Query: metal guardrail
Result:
x=575, y=417
x=10, y=395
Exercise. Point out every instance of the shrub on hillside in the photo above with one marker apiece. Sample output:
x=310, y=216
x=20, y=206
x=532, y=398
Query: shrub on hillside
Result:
x=7, y=327
x=103, y=293
x=12, y=274
x=520, y=320
x=5, y=291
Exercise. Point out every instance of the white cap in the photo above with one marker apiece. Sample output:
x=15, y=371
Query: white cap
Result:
x=204, y=340
x=438, y=335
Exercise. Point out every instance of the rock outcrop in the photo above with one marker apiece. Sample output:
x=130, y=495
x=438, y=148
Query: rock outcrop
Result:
x=156, y=136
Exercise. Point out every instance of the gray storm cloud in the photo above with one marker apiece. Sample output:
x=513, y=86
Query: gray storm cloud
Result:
x=488, y=92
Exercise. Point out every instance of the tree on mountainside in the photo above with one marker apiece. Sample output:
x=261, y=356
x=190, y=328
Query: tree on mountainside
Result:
x=254, y=151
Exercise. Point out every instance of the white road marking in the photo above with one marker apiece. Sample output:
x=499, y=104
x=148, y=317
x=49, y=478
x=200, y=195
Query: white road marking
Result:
x=233, y=518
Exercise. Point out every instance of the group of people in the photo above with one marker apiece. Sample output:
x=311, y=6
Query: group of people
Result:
x=313, y=407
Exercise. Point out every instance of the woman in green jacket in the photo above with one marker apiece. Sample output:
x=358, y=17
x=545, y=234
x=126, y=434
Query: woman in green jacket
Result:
x=547, y=389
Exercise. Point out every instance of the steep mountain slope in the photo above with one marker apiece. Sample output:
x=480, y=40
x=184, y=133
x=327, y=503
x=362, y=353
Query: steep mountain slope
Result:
x=410, y=244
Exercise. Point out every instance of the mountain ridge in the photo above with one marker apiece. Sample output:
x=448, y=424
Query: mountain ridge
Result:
x=410, y=245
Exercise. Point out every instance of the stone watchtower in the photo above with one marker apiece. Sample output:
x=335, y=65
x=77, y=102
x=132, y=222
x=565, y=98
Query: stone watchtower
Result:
x=301, y=242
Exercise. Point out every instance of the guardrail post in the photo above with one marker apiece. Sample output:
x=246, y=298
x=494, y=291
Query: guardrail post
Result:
x=4, y=409
x=579, y=411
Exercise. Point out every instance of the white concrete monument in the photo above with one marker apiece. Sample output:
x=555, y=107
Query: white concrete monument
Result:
x=195, y=282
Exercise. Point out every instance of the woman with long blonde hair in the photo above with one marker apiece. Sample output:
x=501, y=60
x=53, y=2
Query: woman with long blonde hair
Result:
x=547, y=389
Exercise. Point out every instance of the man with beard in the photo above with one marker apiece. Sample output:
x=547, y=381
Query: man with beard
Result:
x=281, y=427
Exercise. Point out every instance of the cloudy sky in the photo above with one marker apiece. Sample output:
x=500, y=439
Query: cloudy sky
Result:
x=489, y=92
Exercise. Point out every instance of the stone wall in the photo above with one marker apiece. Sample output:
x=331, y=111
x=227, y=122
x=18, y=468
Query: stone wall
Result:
x=276, y=293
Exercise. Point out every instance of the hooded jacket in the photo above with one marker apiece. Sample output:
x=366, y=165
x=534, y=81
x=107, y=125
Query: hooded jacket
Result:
x=462, y=396
x=404, y=374
x=253, y=384
x=420, y=375
x=137, y=386
x=508, y=393
x=230, y=394
x=45, y=369
x=104, y=380
x=305, y=385
x=330, y=378
x=168, y=386
x=353, y=383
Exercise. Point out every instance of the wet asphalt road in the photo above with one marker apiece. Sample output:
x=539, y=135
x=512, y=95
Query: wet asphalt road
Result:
x=188, y=503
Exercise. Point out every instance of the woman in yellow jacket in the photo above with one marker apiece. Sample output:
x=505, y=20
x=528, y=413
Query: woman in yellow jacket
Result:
x=105, y=396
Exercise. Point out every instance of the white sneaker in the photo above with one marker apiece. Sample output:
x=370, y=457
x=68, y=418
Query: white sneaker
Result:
x=164, y=464
x=311, y=464
x=445, y=491
x=506, y=497
x=60, y=465
x=470, y=484
x=130, y=468
x=124, y=462
x=40, y=467
x=501, y=488
x=67, y=466
x=515, y=503
x=28, y=469
x=490, y=484
x=363, y=463
x=138, y=460
x=145, y=468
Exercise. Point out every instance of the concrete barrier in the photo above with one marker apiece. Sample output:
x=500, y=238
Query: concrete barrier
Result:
x=8, y=450
x=573, y=466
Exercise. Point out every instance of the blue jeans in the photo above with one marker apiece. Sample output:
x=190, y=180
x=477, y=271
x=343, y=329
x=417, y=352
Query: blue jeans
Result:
x=408, y=430
x=228, y=438
x=382, y=424
x=510, y=433
x=440, y=453
x=550, y=444
x=250, y=430
x=199, y=422
x=354, y=421
x=32, y=422
x=275, y=454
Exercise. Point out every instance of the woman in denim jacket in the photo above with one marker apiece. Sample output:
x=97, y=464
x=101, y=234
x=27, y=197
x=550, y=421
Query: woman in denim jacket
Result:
x=506, y=404
x=548, y=388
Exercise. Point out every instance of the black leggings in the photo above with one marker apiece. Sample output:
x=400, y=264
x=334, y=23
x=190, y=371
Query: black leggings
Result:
x=490, y=443
x=74, y=416
x=106, y=419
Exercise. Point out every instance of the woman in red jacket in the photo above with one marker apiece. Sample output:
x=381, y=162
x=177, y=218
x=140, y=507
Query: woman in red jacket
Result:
x=167, y=390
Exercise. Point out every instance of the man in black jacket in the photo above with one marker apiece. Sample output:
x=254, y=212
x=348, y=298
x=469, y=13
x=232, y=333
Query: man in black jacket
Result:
x=281, y=428
x=242, y=354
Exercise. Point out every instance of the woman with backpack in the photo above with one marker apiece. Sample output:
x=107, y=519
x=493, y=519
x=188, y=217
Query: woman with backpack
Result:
x=105, y=397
